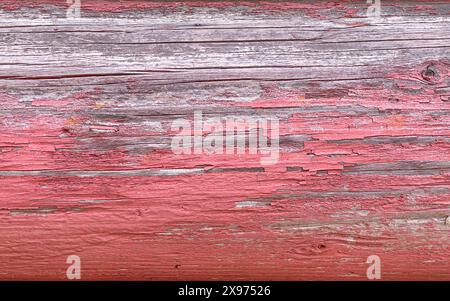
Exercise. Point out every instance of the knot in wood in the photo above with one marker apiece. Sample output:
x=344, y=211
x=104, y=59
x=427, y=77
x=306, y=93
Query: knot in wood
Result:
x=431, y=74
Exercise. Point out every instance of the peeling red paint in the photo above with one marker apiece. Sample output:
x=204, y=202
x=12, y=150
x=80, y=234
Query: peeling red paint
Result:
x=86, y=166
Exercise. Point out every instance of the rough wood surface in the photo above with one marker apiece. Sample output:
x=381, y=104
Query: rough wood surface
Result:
x=86, y=168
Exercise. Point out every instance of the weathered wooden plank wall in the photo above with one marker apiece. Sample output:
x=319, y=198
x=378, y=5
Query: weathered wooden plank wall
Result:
x=86, y=165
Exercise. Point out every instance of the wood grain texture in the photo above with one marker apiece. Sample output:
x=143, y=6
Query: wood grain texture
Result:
x=86, y=168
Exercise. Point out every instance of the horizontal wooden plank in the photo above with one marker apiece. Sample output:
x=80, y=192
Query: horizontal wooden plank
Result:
x=87, y=113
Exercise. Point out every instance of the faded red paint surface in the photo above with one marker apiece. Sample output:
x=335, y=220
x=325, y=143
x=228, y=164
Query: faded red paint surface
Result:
x=86, y=166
